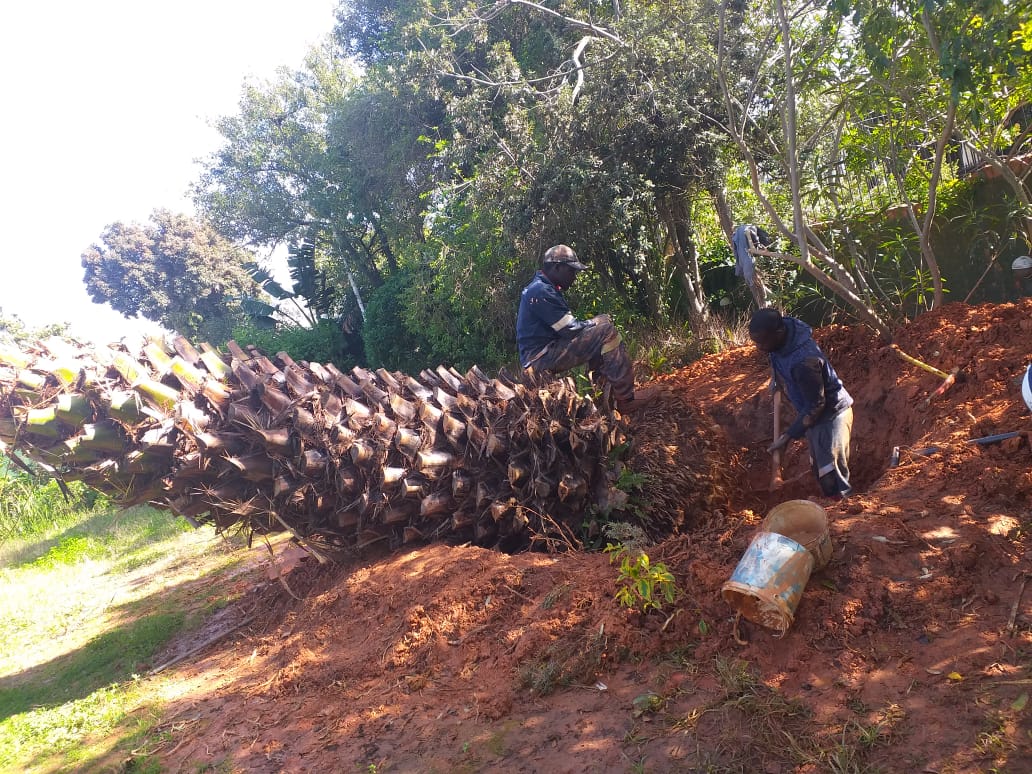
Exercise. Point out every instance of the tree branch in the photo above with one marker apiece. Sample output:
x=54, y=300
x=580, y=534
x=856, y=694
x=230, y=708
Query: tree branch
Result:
x=594, y=29
x=577, y=53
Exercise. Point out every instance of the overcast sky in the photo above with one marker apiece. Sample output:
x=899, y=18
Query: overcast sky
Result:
x=106, y=107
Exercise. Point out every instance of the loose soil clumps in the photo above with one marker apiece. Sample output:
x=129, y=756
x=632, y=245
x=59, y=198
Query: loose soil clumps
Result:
x=911, y=650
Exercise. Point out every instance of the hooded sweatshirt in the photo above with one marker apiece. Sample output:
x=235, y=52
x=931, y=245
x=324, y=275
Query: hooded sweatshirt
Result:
x=812, y=385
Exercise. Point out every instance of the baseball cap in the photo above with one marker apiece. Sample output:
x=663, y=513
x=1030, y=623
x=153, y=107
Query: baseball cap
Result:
x=1022, y=262
x=562, y=254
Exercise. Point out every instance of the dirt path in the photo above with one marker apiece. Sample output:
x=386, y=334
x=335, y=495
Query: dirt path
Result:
x=911, y=651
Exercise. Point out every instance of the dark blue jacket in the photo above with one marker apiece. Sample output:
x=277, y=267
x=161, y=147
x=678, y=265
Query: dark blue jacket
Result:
x=810, y=382
x=543, y=313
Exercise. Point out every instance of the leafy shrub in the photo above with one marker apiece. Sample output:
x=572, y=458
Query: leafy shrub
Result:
x=643, y=586
x=388, y=341
x=421, y=317
x=324, y=343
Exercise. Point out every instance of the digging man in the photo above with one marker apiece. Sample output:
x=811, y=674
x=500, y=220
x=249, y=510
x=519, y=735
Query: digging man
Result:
x=824, y=411
x=550, y=338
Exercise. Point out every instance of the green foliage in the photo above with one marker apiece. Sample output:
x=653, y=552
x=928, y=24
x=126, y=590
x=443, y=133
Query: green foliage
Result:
x=175, y=270
x=69, y=550
x=431, y=177
x=14, y=329
x=32, y=505
x=643, y=586
x=975, y=220
x=323, y=343
x=630, y=536
x=311, y=299
x=445, y=312
x=629, y=481
x=656, y=361
x=647, y=703
x=388, y=341
x=463, y=297
x=55, y=728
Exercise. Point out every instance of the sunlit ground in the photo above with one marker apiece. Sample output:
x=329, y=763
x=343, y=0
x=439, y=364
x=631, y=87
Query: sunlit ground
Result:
x=81, y=622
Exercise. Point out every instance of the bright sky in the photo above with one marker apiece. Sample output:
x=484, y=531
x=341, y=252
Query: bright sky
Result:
x=106, y=108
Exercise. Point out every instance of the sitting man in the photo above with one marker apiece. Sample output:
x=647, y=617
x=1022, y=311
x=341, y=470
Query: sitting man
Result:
x=550, y=338
x=824, y=408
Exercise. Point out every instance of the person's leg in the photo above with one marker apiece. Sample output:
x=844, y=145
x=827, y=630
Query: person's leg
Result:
x=614, y=363
x=829, y=450
x=601, y=347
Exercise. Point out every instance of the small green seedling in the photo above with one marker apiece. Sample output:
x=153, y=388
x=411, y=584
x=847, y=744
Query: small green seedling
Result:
x=643, y=586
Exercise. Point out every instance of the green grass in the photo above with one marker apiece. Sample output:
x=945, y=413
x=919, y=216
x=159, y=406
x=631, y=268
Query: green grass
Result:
x=88, y=600
x=31, y=506
x=129, y=538
x=31, y=739
x=112, y=657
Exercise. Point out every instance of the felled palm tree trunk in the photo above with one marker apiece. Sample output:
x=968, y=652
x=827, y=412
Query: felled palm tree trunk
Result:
x=342, y=460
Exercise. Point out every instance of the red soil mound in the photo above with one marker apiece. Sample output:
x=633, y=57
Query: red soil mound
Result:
x=911, y=651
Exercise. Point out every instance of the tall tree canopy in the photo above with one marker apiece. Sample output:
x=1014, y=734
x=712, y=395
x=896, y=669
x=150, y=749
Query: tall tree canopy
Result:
x=174, y=270
x=434, y=149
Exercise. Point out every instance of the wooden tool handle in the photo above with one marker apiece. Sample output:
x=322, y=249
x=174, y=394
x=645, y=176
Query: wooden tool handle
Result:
x=775, y=474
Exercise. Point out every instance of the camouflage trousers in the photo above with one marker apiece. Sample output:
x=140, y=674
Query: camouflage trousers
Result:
x=600, y=347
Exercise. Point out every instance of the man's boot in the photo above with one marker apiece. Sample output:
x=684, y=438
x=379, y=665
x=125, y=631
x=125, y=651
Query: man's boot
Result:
x=639, y=400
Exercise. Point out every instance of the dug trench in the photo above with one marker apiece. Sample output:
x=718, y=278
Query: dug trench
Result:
x=910, y=651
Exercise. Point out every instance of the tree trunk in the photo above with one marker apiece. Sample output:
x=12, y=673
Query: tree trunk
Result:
x=674, y=212
x=724, y=215
x=342, y=461
x=924, y=230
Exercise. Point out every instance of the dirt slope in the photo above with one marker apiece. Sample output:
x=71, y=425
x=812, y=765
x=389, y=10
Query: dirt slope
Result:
x=911, y=651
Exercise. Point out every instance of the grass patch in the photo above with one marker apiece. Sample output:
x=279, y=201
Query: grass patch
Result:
x=86, y=606
x=573, y=660
x=69, y=550
x=130, y=539
x=59, y=735
x=751, y=726
x=112, y=657
x=31, y=505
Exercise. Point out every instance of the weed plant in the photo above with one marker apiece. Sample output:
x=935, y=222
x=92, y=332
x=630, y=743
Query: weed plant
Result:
x=642, y=585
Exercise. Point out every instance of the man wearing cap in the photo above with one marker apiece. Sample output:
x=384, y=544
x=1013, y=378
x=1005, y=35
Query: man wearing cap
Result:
x=824, y=411
x=1021, y=271
x=550, y=338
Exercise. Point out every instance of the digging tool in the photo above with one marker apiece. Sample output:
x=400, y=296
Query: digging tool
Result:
x=775, y=474
x=948, y=379
x=947, y=382
x=918, y=363
x=988, y=439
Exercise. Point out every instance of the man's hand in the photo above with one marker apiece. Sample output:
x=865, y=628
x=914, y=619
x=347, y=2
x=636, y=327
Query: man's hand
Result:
x=574, y=328
x=780, y=443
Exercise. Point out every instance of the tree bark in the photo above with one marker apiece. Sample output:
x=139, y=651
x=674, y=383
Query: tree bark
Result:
x=674, y=213
x=724, y=215
x=341, y=461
